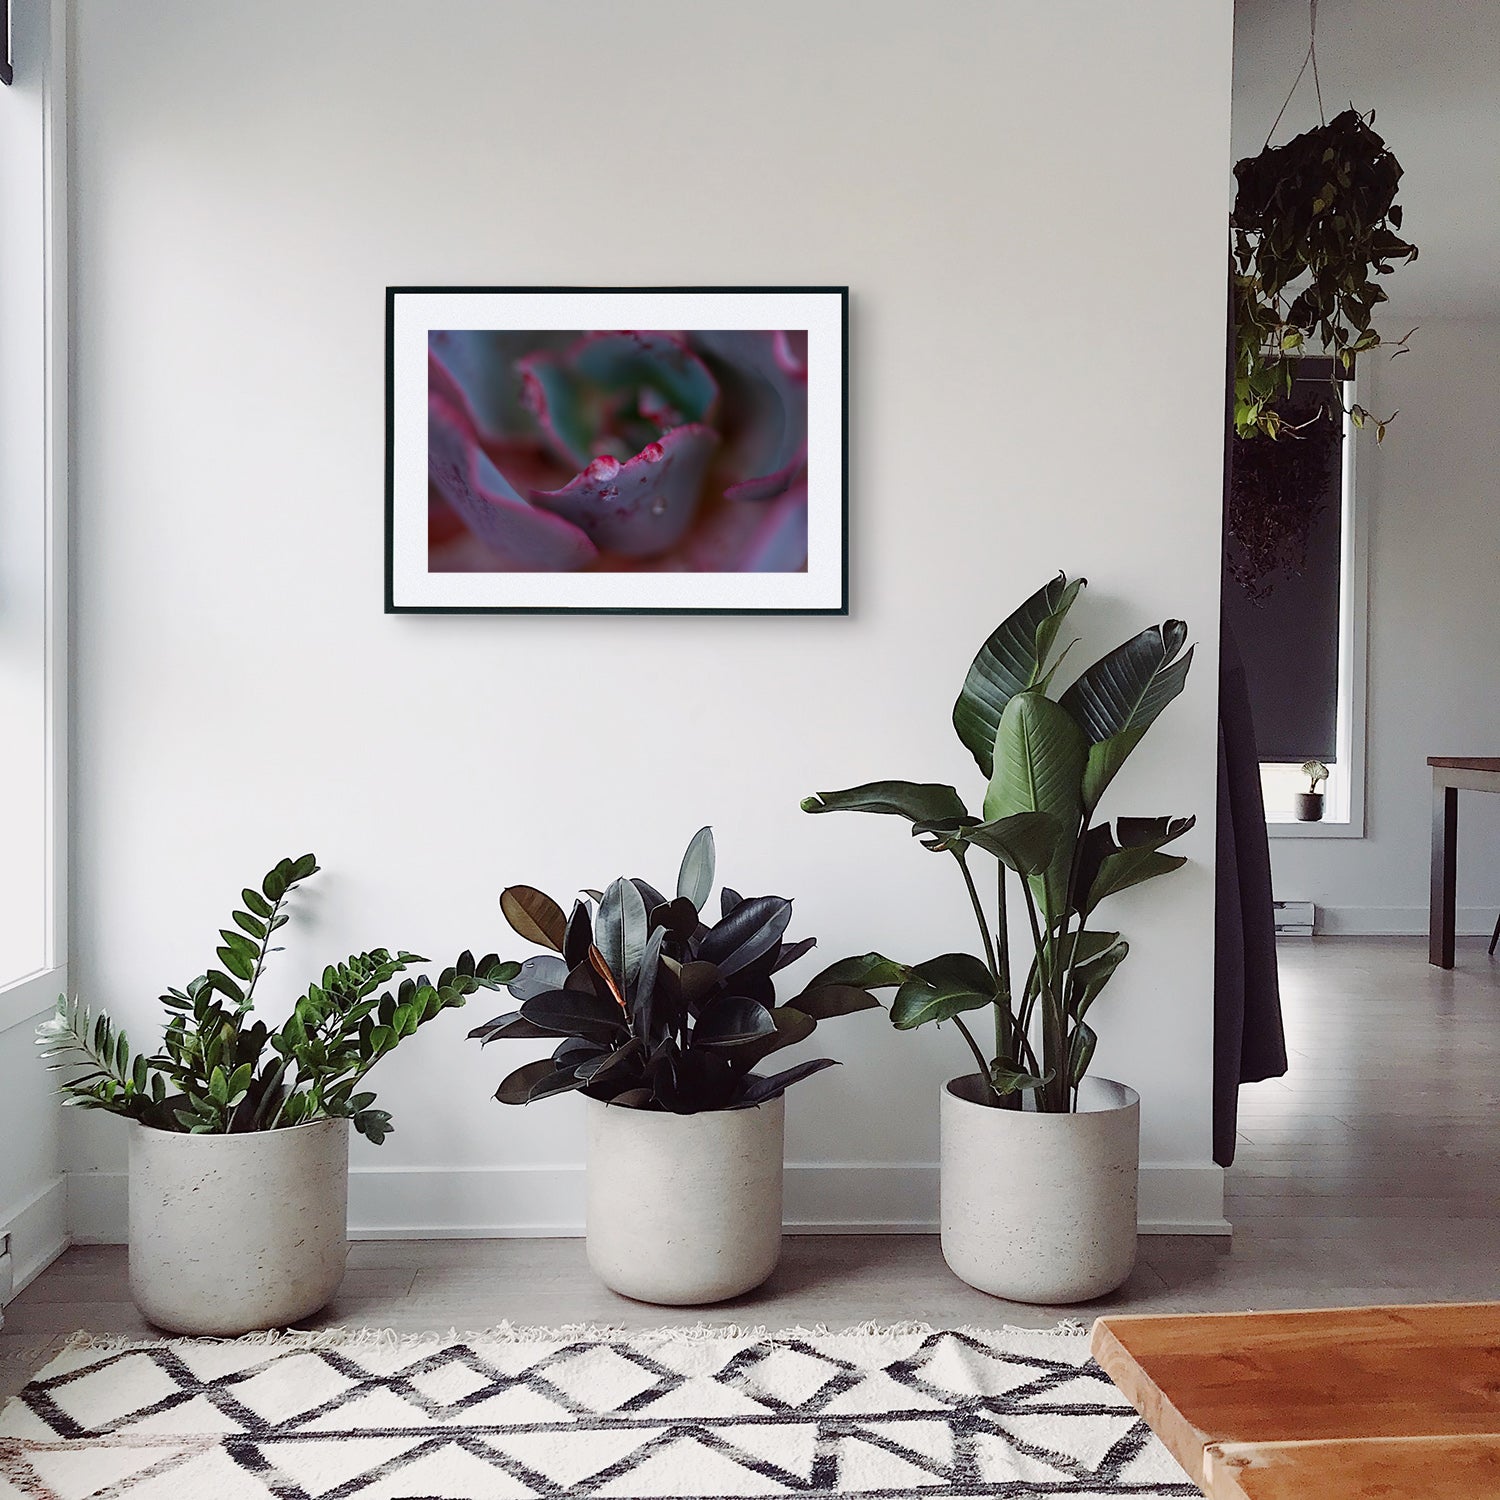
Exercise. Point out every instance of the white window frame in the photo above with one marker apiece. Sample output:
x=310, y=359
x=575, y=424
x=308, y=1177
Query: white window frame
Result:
x=29, y=995
x=1344, y=791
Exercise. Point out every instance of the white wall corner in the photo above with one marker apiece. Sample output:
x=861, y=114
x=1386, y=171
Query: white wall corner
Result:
x=542, y=1202
x=38, y=1230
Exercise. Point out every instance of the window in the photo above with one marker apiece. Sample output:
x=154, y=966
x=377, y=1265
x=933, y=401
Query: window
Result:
x=1295, y=597
x=33, y=545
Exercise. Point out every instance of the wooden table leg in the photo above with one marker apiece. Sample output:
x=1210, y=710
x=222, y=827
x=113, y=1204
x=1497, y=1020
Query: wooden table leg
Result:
x=1443, y=898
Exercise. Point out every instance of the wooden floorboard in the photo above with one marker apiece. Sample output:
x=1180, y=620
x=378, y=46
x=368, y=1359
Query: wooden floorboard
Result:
x=1435, y=1468
x=1370, y=1174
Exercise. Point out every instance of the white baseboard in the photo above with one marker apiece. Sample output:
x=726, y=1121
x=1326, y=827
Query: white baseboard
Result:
x=38, y=1229
x=1399, y=921
x=537, y=1202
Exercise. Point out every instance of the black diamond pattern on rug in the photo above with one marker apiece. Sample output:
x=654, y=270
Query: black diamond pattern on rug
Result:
x=679, y=1414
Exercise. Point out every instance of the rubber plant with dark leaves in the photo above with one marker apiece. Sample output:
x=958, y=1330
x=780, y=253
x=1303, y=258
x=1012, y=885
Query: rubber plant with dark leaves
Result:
x=656, y=1009
x=221, y=1071
x=555, y=452
x=1048, y=762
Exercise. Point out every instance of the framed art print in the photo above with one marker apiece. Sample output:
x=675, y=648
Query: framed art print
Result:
x=541, y=456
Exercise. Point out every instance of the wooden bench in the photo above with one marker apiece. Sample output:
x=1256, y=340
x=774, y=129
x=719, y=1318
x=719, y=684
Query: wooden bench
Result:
x=1340, y=1404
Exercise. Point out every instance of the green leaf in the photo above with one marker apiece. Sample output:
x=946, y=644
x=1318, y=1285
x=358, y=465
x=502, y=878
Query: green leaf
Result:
x=252, y=925
x=1080, y=1052
x=695, y=878
x=1099, y=955
x=1025, y=842
x=1118, y=699
x=1039, y=763
x=1113, y=860
x=869, y=971
x=256, y=902
x=1006, y=1078
x=921, y=802
x=1011, y=661
x=940, y=989
x=239, y=963
x=221, y=982
x=536, y=916
x=823, y=1002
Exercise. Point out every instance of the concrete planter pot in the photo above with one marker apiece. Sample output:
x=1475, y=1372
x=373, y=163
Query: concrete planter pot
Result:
x=1308, y=806
x=684, y=1209
x=232, y=1233
x=1040, y=1207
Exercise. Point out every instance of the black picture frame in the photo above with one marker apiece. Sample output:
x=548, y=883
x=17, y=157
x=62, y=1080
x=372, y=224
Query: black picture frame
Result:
x=833, y=576
x=7, y=59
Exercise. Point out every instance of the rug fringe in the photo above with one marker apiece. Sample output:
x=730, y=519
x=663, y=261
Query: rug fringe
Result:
x=291, y=1339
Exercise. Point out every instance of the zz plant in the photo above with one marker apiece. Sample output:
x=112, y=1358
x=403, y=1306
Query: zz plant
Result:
x=656, y=1009
x=1048, y=762
x=221, y=1071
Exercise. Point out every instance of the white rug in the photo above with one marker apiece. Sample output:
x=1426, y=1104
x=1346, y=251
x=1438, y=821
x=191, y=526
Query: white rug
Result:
x=873, y=1412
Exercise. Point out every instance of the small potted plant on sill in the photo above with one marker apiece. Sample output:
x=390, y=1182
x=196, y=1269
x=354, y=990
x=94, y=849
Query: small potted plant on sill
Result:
x=1309, y=804
x=239, y=1135
x=1040, y=1161
x=663, y=1019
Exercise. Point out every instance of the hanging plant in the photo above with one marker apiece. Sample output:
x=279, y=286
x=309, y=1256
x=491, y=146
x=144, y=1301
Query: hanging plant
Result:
x=1314, y=225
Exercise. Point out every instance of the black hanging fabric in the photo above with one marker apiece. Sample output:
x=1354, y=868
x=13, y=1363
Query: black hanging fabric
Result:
x=1249, y=1043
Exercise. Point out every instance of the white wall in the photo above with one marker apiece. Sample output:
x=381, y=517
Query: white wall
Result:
x=1429, y=490
x=1028, y=204
x=1434, y=666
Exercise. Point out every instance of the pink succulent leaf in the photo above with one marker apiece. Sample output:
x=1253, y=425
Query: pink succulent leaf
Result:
x=644, y=506
x=482, y=363
x=610, y=394
x=523, y=538
x=763, y=377
x=553, y=397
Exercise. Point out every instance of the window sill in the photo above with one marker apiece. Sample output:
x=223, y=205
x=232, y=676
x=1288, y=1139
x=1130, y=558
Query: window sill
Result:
x=1327, y=828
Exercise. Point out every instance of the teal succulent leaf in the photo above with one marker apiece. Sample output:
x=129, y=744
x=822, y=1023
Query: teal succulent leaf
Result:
x=764, y=377
x=489, y=504
x=615, y=393
x=483, y=362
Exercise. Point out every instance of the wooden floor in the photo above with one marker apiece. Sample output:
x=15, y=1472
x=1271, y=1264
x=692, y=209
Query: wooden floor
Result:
x=1371, y=1173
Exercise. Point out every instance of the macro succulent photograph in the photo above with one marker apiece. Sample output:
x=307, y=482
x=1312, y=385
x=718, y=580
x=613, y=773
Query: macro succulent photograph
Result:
x=554, y=466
